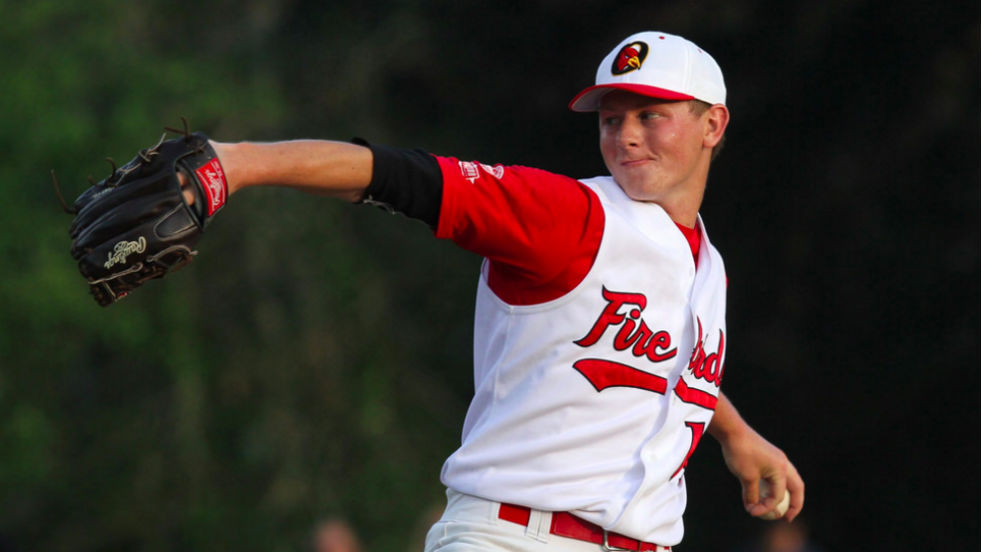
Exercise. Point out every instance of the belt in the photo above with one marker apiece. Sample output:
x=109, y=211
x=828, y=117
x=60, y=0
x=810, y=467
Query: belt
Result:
x=565, y=524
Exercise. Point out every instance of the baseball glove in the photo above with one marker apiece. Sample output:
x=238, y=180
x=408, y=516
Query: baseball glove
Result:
x=136, y=225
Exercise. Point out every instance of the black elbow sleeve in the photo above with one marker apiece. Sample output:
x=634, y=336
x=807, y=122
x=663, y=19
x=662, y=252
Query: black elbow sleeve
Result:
x=407, y=181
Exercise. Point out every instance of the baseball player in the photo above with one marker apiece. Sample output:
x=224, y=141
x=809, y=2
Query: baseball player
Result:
x=600, y=335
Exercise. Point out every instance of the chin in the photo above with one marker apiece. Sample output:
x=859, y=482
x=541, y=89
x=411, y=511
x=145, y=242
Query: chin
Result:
x=639, y=195
x=636, y=189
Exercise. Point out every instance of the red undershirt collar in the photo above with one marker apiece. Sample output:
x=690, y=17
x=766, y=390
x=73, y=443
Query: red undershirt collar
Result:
x=694, y=237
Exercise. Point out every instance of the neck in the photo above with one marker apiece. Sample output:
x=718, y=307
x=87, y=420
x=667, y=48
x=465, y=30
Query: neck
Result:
x=683, y=203
x=683, y=209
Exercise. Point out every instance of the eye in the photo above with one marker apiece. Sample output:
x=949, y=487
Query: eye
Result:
x=649, y=116
x=610, y=120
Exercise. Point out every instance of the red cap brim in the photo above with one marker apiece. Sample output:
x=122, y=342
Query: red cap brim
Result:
x=589, y=99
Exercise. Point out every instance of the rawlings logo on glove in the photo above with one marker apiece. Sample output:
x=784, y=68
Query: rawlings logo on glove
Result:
x=213, y=179
x=123, y=249
x=136, y=225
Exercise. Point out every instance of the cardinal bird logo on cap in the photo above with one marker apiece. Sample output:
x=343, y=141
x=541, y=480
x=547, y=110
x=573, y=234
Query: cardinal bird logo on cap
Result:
x=629, y=58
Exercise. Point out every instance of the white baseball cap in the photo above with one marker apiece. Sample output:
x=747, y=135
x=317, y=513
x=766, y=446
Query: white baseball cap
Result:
x=658, y=65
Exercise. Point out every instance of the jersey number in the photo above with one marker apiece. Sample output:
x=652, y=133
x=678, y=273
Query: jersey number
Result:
x=697, y=430
x=606, y=373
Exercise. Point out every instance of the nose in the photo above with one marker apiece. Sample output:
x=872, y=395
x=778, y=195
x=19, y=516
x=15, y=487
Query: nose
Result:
x=629, y=133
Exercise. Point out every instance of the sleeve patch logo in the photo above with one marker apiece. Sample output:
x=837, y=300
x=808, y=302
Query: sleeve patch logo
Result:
x=212, y=179
x=124, y=249
x=471, y=170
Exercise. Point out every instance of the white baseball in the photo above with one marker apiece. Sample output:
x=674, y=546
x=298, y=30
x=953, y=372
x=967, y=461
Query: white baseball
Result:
x=780, y=509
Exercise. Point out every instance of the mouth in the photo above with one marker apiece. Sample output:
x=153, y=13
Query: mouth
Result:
x=633, y=162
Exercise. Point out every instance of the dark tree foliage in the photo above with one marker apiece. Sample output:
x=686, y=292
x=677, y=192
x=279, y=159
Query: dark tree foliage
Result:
x=314, y=361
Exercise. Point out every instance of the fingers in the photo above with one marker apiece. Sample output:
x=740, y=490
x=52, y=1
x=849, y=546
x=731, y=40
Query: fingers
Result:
x=795, y=484
x=762, y=496
x=186, y=189
x=751, y=498
x=778, y=486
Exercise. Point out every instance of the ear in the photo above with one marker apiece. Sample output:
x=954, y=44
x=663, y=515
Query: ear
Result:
x=716, y=120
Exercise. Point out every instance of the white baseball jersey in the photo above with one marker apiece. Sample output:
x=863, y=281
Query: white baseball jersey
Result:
x=593, y=401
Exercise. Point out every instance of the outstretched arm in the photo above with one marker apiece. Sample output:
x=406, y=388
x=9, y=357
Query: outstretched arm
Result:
x=750, y=458
x=337, y=169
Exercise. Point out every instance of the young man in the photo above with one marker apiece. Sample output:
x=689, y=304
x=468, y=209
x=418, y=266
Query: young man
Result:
x=600, y=320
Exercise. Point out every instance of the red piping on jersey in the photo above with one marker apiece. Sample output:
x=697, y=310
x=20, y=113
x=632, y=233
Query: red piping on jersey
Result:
x=607, y=373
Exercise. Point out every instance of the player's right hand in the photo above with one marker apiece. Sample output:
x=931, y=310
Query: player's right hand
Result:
x=752, y=458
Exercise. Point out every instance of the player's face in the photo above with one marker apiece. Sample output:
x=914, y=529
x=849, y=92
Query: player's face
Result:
x=655, y=149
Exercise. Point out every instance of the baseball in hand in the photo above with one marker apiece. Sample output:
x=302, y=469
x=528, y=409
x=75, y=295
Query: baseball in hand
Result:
x=781, y=508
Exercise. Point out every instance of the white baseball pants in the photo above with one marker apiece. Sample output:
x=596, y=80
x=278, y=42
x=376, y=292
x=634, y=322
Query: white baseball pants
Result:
x=471, y=524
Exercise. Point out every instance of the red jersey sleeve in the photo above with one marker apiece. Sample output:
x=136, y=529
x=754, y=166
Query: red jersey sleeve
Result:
x=539, y=230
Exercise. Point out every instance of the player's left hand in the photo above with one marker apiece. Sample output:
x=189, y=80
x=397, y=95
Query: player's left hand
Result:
x=751, y=458
x=143, y=221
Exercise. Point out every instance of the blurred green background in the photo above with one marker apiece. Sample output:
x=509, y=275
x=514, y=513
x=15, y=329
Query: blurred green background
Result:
x=314, y=361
